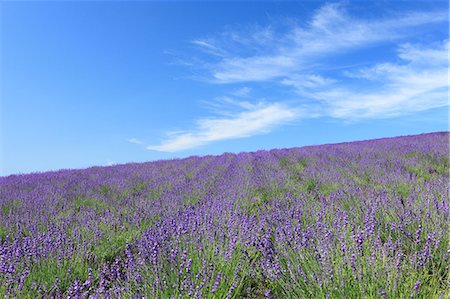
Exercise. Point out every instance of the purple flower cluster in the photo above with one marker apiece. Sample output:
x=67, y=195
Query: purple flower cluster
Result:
x=349, y=220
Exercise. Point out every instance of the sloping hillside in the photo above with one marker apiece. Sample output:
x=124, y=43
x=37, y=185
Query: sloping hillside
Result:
x=363, y=219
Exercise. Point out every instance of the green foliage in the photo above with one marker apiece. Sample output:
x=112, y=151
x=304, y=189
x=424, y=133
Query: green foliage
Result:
x=104, y=190
x=3, y=233
x=297, y=221
x=310, y=184
x=10, y=206
x=371, y=276
x=294, y=167
x=189, y=176
x=364, y=180
x=419, y=172
x=191, y=200
x=440, y=166
x=326, y=189
x=114, y=240
x=260, y=200
x=285, y=162
x=95, y=204
x=206, y=263
x=402, y=189
x=44, y=273
x=139, y=188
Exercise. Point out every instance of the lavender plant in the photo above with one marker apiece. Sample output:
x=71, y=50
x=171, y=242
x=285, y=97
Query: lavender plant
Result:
x=365, y=219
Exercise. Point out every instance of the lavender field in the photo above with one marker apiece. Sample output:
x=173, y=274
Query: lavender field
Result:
x=365, y=219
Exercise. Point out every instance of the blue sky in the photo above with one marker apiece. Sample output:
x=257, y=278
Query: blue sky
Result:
x=100, y=83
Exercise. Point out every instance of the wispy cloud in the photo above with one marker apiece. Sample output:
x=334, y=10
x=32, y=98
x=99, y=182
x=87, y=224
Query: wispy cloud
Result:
x=304, y=61
x=419, y=81
x=255, y=119
x=330, y=31
x=209, y=47
x=134, y=141
x=242, y=92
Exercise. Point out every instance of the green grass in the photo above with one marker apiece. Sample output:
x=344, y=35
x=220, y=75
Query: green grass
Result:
x=4, y=231
x=205, y=263
x=114, y=240
x=402, y=189
x=11, y=206
x=95, y=204
x=45, y=272
x=419, y=172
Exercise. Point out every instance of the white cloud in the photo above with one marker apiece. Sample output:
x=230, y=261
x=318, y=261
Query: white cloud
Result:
x=242, y=92
x=418, y=82
x=304, y=59
x=304, y=83
x=209, y=47
x=225, y=106
x=259, y=68
x=331, y=31
x=256, y=119
x=305, y=62
x=134, y=141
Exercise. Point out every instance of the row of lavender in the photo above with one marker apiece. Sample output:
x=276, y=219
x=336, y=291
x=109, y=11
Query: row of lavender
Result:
x=364, y=219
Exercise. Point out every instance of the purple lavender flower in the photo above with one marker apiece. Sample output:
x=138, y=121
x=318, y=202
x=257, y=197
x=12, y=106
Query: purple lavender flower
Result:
x=315, y=220
x=216, y=283
x=417, y=286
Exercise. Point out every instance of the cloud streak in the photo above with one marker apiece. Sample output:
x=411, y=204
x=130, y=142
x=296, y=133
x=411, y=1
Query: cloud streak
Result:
x=134, y=141
x=305, y=62
x=418, y=82
x=258, y=119
x=305, y=58
x=330, y=31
